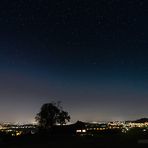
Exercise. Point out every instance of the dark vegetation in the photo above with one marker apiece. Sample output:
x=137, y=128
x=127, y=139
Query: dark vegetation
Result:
x=50, y=135
x=68, y=139
x=51, y=114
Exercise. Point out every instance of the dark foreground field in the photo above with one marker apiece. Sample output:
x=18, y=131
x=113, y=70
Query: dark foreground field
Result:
x=46, y=141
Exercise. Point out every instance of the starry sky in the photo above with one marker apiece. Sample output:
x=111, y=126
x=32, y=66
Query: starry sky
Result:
x=92, y=55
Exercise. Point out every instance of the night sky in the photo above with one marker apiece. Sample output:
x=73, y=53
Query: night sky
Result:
x=92, y=55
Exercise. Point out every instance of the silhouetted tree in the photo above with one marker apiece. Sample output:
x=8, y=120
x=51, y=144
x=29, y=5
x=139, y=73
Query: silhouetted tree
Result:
x=51, y=114
x=63, y=117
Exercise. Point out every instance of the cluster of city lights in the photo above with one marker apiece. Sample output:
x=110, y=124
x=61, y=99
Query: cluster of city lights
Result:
x=123, y=126
x=17, y=129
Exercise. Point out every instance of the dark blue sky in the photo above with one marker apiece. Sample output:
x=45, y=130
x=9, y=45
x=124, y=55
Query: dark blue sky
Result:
x=91, y=55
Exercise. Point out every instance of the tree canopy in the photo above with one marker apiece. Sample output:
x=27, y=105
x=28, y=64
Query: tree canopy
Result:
x=52, y=114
